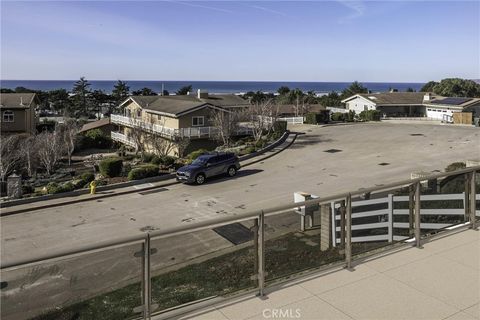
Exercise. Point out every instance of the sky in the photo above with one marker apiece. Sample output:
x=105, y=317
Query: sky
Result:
x=370, y=41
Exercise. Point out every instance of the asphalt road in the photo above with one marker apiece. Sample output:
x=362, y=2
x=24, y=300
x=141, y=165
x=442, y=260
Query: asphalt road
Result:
x=305, y=166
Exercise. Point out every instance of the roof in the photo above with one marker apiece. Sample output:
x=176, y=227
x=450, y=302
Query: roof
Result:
x=395, y=98
x=458, y=102
x=95, y=124
x=176, y=105
x=16, y=100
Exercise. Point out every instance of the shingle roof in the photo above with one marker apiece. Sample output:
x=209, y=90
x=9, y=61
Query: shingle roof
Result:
x=16, y=100
x=395, y=98
x=182, y=103
x=95, y=124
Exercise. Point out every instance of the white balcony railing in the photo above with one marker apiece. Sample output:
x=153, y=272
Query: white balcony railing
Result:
x=117, y=136
x=190, y=132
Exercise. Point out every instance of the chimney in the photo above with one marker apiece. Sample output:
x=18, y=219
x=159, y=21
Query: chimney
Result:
x=427, y=97
x=21, y=101
x=202, y=95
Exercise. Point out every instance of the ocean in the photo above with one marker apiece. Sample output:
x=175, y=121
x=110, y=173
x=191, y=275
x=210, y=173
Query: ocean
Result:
x=209, y=86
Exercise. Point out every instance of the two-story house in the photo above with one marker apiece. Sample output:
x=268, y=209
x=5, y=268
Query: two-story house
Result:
x=18, y=113
x=174, y=118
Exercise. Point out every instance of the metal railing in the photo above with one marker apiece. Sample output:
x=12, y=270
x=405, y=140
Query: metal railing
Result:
x=260, y=219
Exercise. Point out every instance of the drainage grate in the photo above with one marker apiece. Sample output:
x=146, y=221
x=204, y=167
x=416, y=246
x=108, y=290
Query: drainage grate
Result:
x=236, y=233
x=417, y=134
x=384, y=164
x=332, y=150
x=144, y=193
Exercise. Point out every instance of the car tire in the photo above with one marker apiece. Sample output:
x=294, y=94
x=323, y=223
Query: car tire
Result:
x=231, y=171
x=200, y=179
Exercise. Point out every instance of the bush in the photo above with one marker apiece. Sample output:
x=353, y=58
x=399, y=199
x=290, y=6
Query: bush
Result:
x=95, y=138
x=338, y=116
x=53, y=187
x=147, y=157
x=350, y=116
x=195, y=154
x=87, y=177
x=111, y=167
x=316, y=118
x=250, y=149
x=455, y=166
x=142, y=172
x=260, y=144
x=280, y=126
x=370, y=115
x=26, y=189
x=163, y=160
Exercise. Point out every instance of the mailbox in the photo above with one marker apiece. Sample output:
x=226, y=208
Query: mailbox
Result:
x=305, y=212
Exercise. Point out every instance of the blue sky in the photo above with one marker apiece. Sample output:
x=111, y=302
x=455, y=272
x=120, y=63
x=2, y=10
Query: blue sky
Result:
x=404, y=41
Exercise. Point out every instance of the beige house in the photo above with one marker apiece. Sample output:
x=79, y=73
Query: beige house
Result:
x=18, y=113
x=184, y=121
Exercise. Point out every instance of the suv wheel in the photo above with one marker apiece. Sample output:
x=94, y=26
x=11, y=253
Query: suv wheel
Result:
x=232, y=171
x=200, y=178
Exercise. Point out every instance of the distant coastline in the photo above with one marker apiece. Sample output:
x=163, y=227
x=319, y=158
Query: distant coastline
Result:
x=210, y=86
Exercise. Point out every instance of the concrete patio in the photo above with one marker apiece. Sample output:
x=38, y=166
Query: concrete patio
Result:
x=440, y=281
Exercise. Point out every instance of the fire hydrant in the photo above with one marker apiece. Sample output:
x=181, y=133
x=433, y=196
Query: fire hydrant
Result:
x=93, y=187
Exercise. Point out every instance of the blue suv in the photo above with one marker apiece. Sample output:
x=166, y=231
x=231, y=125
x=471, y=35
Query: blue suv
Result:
x=209, y=165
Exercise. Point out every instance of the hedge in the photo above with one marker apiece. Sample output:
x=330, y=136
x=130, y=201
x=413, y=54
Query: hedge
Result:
x=142, y=172
x=280, y=126
x=315, y=118
x=164, y=160
x=195, y=154
x=54, y=187
x=338, y=116
x=370, y=115
x=95, y=138
x=111, y=167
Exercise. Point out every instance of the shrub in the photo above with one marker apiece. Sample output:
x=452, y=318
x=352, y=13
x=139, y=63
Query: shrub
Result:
x=260, y=144
x=338, y=116
x=95, y=138
x=111, y=167
x=280, y=126
x=250, y=149
x=350, y=116
x=53, y=187
x=26, y=189
x=147, y=157
x=455, y=166
x=195, y=154
x=87, y=177
x=316, y=118
x=370, y=115
x=142, y=172
x=163, y=160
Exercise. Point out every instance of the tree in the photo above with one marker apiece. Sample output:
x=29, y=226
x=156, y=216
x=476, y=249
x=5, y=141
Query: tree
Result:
x=144, y=92
x=6, y=90
x=29, y=153
x=353, y=89
x=330, y=100
x=11, y=156
x=68, y=131
x=257, y=97
x=283, y=90
x=409, y=89
x=99, y=99
x=120, y=92
x=428, y=87
x=50, y=150
x=165, y=93
x=456, y=87
x=184, y=90
x=59, y=100
x=262, y=116
x=81, y=92
x=226, y=124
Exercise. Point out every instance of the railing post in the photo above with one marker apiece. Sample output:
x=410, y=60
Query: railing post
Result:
x=473, y=201
x=411, y=211
x=147, y=289
x=348, y=232
x=466, y=199
x=390, y=218
x=261, y=254
x=417, y=215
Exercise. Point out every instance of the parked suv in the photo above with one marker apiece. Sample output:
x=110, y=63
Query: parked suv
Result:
x=209, y=165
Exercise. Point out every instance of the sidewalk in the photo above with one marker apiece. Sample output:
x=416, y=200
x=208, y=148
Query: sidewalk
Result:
x=440, y=281
x=42, y=204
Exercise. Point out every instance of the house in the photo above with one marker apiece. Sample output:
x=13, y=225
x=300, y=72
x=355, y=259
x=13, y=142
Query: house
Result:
x=291, y=110
x=176, y=119
x=413, y=104
x=18, y=113
x=103, y=125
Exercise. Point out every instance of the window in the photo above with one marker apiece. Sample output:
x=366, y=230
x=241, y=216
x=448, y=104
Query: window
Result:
x=8, y=116
x=198, y=121
x=139, y=113
x=365, y=108
x=129, y=113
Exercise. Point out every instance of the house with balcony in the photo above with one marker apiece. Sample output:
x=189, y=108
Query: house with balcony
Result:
x=176, y=119
x=413, y=104
x=18, y=113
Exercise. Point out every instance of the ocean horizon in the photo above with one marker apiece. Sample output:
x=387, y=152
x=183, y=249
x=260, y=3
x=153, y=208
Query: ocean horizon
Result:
x=210, y=86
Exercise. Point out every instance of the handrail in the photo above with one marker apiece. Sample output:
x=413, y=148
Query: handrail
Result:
x=220, y=221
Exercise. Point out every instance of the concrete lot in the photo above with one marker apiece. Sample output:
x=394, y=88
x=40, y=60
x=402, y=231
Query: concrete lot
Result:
x=440, y=281
x=303, y=167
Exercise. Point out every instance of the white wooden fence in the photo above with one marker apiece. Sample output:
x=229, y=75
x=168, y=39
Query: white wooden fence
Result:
x=386, y=216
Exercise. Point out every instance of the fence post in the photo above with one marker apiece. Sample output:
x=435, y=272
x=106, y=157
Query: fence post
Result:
x=334, y=225
x=348, y=233
x=147, y=277
x=417, y=214
x=466, y=199
x=261, y=254
x=411, y=210
x=390, y=218
x=342, y=210
x=473, y=201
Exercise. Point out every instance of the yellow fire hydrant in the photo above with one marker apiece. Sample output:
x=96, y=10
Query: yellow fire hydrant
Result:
x=93, y=187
